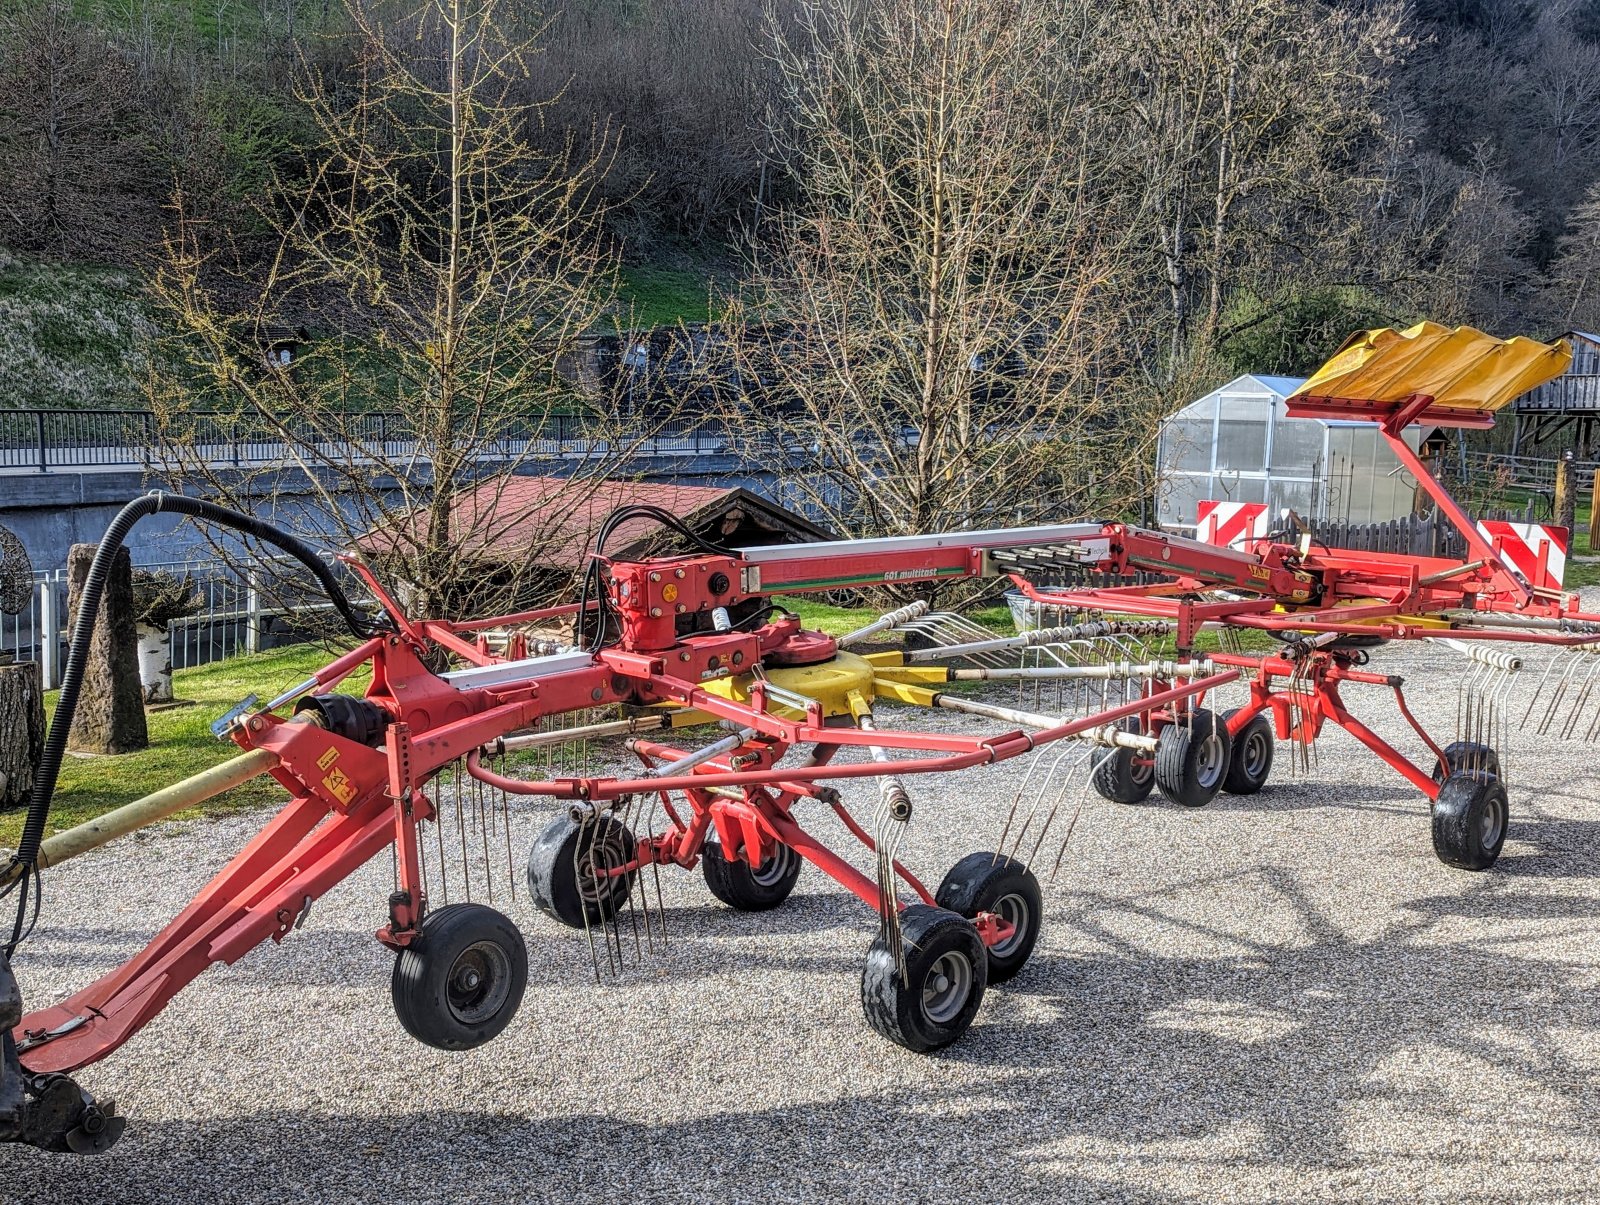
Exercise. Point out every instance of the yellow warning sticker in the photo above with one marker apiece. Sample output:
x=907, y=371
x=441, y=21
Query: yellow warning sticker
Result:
x=328, y=758
x=339, y=786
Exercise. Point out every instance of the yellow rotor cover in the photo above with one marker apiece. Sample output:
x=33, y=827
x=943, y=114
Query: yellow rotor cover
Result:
x=828, y=682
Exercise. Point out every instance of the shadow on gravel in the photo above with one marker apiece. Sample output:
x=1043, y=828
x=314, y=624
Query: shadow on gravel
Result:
x=1291, y=1039
x=887, y=1149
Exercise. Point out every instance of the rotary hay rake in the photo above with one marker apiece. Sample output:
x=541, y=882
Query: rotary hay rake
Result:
x=1111, y=696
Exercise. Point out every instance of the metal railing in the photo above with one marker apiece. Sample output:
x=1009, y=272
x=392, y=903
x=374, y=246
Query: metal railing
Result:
x=243, y=609
x=1529, y=472
x=45, y=441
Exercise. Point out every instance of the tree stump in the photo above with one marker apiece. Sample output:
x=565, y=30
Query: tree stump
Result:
x=21, y=730
x=110, y=716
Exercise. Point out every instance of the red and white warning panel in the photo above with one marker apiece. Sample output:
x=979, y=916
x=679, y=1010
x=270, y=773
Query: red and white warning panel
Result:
x=1537, y=553
x=1230, y=524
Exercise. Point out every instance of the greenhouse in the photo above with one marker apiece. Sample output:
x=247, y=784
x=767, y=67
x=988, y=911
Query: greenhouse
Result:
x=1236, y=445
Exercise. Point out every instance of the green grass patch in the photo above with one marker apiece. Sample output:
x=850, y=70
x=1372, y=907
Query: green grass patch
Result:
x=836, y=620
x=181, y=743
x=655, y=296
x=71, y=337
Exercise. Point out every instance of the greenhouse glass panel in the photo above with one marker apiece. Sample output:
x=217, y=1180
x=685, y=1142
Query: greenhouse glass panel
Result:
x=1235, y=444
x=1231, y=487
x=1299, y=445
x=1302, y=497
x=1186, y=442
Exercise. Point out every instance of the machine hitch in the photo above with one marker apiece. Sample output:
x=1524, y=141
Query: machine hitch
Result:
x=47, y=1111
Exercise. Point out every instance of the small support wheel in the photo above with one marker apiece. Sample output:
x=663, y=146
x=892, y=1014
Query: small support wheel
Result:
x=567, y=865
x=1250, y=763
x=1192, y=759
x=459, y=983
x=734, y=883
x=1469, y=820
x=1124, y=775
x=946, y=972
x=985, y=882
x=1466, y=755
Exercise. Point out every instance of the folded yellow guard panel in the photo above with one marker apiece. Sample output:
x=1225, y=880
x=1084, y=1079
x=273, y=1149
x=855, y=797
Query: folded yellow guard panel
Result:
x=1462, y=370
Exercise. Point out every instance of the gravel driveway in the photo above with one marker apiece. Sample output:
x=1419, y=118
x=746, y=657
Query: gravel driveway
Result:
x=1282, y=996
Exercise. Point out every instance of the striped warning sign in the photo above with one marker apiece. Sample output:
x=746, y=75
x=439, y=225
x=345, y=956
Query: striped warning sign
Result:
x=1230, y=524
x=1536, y=552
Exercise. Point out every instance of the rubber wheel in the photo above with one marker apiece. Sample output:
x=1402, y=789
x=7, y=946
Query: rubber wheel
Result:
x=460, y=982
x=1466, y=755
x=1250, y=762
x=1125, y=775
x=986, y=882
x=1469, y=820
x=738, y=886
x=1192, y=759
x=561, y=870
x=946, y=972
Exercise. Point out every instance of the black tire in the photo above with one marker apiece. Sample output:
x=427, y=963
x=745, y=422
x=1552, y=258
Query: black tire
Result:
x=986, y=882
x=738, y=886
x=1466, y=755
x=947, y=970
x=1470, y=816
x=460, y=983
x=1192, y=759
x=565, y=849
x=1250, y=760
x=1124, y=775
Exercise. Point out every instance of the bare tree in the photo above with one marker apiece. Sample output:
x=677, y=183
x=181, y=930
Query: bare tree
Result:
x=74, y=152
x=1253, y=122
x=1573, y=287
x=934, y=330
x=450, y=270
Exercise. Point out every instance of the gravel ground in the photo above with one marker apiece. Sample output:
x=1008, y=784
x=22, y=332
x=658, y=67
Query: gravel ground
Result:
x=1276, y=997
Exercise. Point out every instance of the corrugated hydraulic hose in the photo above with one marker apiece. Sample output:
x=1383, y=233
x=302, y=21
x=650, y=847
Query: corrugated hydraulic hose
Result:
x=55, y=744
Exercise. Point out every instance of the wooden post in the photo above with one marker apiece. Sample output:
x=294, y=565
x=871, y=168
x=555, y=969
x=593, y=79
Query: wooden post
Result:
x=1566, y=498
x=21, y=730
x=1594, y=514
x=110, y=716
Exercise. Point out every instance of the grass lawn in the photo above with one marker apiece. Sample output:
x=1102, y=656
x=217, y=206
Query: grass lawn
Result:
x=657, y=296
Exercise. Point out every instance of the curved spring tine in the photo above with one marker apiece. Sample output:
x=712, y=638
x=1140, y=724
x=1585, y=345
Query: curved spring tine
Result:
x=1584, y=693
x=1061, y=756
x=1558, y=658
x=1072, y=825
x=1085, y=756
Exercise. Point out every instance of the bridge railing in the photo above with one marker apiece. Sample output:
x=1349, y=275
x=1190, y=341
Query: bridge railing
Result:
x=47, y=441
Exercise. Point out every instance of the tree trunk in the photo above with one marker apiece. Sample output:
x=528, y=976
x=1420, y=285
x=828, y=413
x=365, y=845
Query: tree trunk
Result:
x=21, y=730
x=155, y=662
x=110, y=716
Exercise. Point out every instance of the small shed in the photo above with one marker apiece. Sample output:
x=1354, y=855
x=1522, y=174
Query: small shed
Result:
x=1236, y=445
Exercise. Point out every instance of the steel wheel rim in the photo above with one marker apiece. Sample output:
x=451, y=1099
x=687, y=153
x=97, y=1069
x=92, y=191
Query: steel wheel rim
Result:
x=1254, y=753
x=594, y=885
x=773, y=870
x=1211, y=764
x=1014, y=910
x=1491, y=823
x=1139, y=771
x=946, y=986
x=479, y=983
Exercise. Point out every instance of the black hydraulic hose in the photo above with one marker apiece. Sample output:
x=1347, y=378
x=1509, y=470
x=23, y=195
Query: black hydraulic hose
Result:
x=55, y=744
